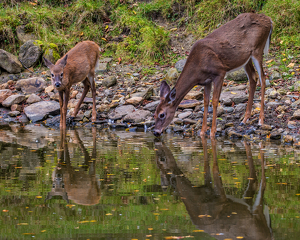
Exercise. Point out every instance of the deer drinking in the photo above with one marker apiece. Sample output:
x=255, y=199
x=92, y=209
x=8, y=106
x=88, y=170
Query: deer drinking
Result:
x=77, y=65
x=239, y=43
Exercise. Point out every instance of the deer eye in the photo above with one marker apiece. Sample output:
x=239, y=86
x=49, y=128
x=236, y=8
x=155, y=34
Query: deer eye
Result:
x=161, y=116
x=61, y=75
x=52, y=75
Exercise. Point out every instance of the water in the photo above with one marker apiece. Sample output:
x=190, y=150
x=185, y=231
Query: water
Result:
x=104, y=184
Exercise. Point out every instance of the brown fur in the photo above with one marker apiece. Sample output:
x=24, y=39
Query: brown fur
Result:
x=229, y=47
x=77, y=65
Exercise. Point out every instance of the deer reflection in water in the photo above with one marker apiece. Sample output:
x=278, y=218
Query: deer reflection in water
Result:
x=209, y=207
x=78, y=184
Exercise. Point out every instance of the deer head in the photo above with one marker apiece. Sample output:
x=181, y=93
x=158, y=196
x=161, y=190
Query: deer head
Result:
x=57, y=71
x=166, y=109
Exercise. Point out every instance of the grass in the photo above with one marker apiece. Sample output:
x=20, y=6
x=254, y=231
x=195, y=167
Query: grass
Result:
x=142, y=28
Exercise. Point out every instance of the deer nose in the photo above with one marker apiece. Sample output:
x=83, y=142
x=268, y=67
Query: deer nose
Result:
x=57, y=84
x=156, y=133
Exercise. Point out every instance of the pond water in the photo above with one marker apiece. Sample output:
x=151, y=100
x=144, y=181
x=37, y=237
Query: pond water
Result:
x=94, y=183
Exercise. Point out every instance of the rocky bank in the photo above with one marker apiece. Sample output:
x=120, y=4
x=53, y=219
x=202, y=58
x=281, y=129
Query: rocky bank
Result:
x=127, y=97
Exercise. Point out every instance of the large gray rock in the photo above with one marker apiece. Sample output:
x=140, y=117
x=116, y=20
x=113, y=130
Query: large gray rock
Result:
x=103, y=65
x=137, y=116
x=23, y=36
x=33, y=98
x=13, y=99
x=40, y=110
x=121, y=111
x=296, y=114
x=31, y=85
x=151, y=106
x=30, y=53
x=180, y=65
x=237, y=97
x=172, y=75
x=147, y=94
x=238, y=75
x=109, y=81
x=9, y=62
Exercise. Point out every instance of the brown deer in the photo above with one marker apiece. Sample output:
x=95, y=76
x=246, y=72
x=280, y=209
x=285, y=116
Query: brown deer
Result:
x=210, y=209
x=236, y=44
x=78, y=184
x=77, y=65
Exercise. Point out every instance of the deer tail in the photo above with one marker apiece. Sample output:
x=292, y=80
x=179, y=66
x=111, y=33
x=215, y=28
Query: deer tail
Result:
x=267, y=46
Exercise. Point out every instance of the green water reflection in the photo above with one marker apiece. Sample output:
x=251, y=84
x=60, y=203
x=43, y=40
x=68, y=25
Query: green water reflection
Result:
x=103, y=184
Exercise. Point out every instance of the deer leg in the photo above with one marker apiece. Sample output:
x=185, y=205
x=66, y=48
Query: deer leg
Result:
x=207, y=90
x=207, y=175
x=65, y=107
x=218, y=83
x=250, y=71
x=218, y=185
x=257, y=60
x=93, y=88
x=61, y=101
x=252, y=185
x=85, y=91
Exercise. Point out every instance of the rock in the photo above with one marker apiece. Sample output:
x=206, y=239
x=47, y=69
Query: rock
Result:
x=184, y=115
x=24, y=36
x=109, y=81
x=14, y=113
x=51, y=53
x=297, y=86
x=30, y=53
x=266, y=127
x=40, y=110
x=194, y=95
x=189, y=103
x=4, y=94
x=50, y=88
x=88, y=113
x=273, y=104
x=228, y=109
x=288, y=139
x=147, y=94
x=31, y=85
x=273, y=94
x=121, y=111
x=178, y=129
x=275, y=75
x=33, y=98
x=180, y=65
x=240, y=107
x=137, y=116
x=15, y=107
x=151, y=106
x=296, y=114
x=72, y=103
x=237, y=97
x=103, y=64
x=171, y=75
x=239, y=75
x=134, y=100
x=10, y=62
x=292, y=125
x=13, y=99
x=295, y=104
x=103, y=108
x=233, y=134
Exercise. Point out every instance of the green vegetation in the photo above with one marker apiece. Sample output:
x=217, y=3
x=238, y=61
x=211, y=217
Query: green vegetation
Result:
x=136, y=31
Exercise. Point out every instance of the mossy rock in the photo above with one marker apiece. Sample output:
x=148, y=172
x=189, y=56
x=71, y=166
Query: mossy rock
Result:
x=51, y=53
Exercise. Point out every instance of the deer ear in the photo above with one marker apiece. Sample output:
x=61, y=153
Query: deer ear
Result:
x=164, y=89
x=63, y=62
x=47, y=62
x=172, y=94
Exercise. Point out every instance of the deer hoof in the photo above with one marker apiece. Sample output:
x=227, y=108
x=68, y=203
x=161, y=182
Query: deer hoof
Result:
x=242, y=124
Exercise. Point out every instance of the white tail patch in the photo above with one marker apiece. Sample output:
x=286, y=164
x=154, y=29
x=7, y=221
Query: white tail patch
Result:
x=267, y=46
